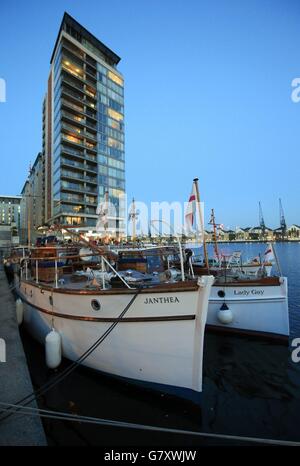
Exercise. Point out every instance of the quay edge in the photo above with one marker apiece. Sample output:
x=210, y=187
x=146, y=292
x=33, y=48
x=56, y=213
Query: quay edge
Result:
x=15, y=381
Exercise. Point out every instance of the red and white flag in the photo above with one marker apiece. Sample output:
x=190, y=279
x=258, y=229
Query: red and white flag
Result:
x=190, y=213
x=269, y=255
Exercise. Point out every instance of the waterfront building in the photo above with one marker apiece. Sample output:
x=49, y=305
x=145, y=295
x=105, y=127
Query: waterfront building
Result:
x=83, y=131
x=225, y=235
x=33, y=201
x=259, y=233
x=241, y=234
x=294, y=231
x=280, y=234
x=9, y=220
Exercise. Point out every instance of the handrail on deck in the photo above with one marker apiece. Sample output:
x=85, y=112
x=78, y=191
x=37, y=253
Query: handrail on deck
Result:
x=103, y=260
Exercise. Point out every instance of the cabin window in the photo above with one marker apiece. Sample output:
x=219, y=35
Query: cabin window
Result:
x=221, y=294
x=96, y=305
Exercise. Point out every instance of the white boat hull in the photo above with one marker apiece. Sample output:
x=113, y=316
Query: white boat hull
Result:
x=255, y=309
x=159, y=341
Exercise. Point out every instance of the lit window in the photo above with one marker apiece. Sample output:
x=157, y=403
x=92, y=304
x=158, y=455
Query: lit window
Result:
x=116, y=115
x=73, y=139
x=115, y=78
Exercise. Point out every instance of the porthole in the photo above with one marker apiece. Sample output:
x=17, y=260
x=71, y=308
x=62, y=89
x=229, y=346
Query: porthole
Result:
x=96, y=305
x=221, y=294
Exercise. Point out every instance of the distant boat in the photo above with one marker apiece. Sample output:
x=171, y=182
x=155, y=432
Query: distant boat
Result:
x=239, y=302
x=245, y=298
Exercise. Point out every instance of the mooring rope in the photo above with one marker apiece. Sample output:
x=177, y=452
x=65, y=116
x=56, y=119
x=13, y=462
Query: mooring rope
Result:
x=63, y=416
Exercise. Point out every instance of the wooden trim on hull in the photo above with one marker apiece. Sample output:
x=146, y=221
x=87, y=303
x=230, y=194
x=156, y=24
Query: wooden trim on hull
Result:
x=284, y=339
x=108, y=319
x=170, y=288
x=267, y=281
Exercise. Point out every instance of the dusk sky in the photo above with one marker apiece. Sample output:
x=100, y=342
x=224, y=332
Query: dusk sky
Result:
x=207, y=93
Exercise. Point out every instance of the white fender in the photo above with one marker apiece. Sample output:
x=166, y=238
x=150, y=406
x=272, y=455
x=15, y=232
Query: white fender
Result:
x=53, y=349
x=19, y=310
x=225, y=315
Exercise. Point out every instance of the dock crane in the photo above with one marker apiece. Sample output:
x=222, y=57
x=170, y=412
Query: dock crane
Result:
x=261, y=220
x=282, y=220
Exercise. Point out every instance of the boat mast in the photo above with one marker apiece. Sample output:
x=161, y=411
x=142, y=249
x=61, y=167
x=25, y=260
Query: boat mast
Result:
x=133, y=217
x=106, y=212
x=201, y=220
x=213, y=223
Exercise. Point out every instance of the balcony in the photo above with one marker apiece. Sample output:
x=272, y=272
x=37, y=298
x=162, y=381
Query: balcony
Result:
x=91, y=125
x=91, y=114
x=72, y=163
x=72, y=140
x=91, y=94
x=91, y=70
x=72, y=82
x=73, y=129
x=90, y=104
x=72, y=105
x=91, y=190
x=74, y=198
x=91, y=179
x=91, y=147
x=70, y=151
x=78, y=209
x=89, y=210
x=72, y=187
x=91, y=81
x=76, y=72
x=80, y=166
x=76, y=118
x=91, y=62
x=91, y=168
x=91, y=159
x=74, y=50
x=79, y=176
x=91, y=136
x=72, y=94
x=71, y=174
x=79, y=142
x=81, y=155
x=69, y=58
x=92, y=204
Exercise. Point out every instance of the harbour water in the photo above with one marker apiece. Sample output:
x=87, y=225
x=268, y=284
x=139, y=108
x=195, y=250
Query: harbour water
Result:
x=251, y=387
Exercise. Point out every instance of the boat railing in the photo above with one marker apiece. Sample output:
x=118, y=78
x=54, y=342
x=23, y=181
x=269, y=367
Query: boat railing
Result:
x=178, y=241
x=58, y=259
